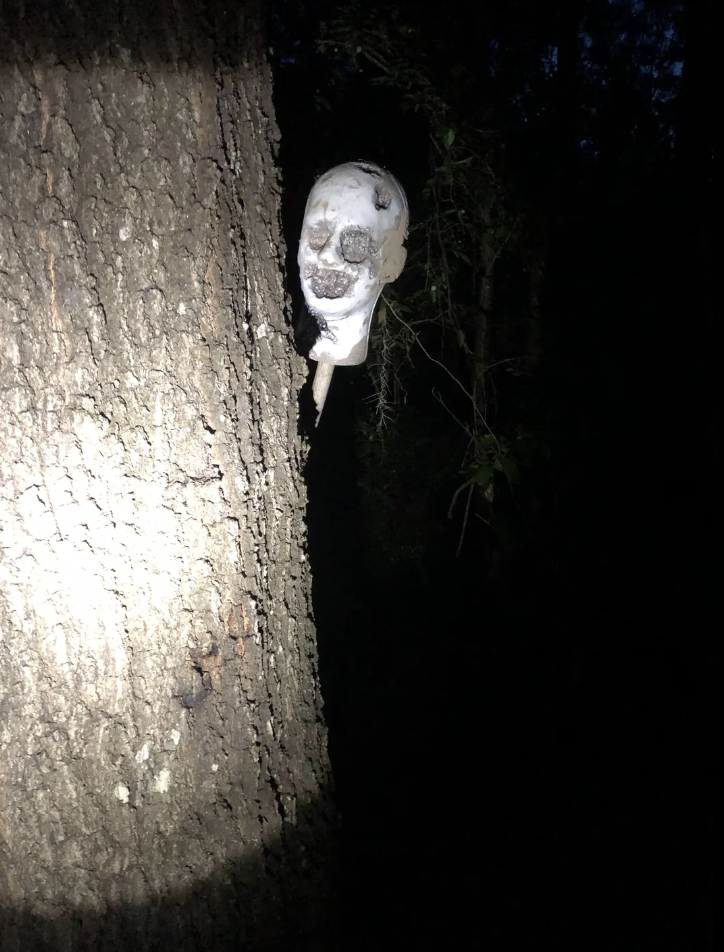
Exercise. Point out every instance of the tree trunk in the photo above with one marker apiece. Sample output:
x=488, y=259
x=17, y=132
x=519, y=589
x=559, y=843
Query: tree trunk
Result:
x=164, y=780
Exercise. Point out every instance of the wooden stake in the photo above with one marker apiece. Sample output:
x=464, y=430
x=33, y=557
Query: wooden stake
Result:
x=320, y=386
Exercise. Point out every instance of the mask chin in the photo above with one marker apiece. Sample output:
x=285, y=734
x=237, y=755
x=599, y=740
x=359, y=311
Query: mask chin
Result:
x=344, y=340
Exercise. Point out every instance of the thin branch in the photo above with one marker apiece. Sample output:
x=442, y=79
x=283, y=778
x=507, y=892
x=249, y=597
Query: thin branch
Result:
x=457, y=492
x=440, y=400
x=465, y=520
x=440, y=364
x=506, y=360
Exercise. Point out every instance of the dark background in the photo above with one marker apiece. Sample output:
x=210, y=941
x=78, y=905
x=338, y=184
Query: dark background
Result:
x=521, y=732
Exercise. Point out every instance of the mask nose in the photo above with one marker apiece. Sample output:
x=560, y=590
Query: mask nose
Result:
x=329, y=257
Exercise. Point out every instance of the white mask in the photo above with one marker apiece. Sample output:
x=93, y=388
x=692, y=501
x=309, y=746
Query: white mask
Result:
x=354, y=227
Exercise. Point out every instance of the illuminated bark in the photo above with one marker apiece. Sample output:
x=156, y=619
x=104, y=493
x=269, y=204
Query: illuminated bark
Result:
x=164, y=780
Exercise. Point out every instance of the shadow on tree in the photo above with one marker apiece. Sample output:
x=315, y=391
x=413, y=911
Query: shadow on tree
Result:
x=259, y=903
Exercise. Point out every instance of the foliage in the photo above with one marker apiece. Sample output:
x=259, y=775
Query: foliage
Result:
x=535, y=146
x=468, y=236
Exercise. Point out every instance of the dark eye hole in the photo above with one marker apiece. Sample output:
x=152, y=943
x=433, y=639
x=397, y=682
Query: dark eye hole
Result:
x=383, y=198
x=355, y=245
x=318, y=236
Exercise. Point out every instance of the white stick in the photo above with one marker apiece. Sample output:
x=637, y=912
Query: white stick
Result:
x=322, y=380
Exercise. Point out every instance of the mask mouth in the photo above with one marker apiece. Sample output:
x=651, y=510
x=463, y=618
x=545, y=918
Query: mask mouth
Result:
x=327, y=283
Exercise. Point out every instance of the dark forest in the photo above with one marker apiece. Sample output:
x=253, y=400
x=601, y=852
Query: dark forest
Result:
x=510, y=501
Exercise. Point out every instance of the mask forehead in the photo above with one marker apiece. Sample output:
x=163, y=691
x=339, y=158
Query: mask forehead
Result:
x=351, y=195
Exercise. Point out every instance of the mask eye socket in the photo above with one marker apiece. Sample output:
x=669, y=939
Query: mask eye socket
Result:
x=318, y=236
x=355, y=245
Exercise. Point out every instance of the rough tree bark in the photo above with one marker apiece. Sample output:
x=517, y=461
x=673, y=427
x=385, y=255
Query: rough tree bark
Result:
x=164, y=780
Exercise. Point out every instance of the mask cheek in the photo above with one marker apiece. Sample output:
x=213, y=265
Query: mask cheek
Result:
x=393, y=265
x=363, y=291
